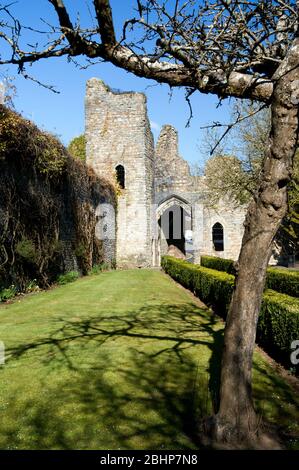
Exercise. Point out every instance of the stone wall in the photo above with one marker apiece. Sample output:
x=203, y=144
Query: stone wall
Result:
x=118, y=133
x=173, y=179
x=48, y=205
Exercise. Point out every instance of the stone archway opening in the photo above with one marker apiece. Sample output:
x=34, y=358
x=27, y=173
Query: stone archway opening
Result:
x=174, y=222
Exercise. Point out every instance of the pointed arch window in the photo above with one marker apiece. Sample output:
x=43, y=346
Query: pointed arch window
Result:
x=218, y=237
x=120, y=176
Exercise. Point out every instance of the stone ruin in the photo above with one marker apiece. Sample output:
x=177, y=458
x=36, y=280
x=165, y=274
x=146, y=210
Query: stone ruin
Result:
x=161, y=207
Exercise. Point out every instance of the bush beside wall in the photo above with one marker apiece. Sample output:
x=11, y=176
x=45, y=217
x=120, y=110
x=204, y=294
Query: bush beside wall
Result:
x=281, y=280
x=278, y=323
x=48, y=205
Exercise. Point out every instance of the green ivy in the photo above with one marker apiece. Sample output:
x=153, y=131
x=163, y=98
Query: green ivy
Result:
x=26, y=249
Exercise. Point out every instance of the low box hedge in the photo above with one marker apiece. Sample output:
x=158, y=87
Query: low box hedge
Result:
x=211, y=286
x=278, y=322
x=284, y=281
x=220, y=264
x=281, y=280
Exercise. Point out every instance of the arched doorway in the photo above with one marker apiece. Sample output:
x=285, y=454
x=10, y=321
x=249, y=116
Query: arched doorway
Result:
x=174, y=219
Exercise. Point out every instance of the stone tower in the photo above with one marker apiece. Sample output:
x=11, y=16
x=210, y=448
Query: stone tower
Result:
x=120, y=144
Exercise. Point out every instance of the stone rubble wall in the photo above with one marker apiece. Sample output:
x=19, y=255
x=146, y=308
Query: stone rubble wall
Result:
x=118, y=132
x=173, y=177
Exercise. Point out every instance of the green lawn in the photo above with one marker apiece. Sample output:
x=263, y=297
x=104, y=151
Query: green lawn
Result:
x=121, y=360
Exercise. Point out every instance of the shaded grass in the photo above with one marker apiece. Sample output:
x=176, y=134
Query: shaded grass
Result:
x=122, y=360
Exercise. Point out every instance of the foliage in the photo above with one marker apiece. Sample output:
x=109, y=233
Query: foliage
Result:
x=220, y=264
x=225, y=178
x=235, y=170
x=32, y=286
x=8, y=293
x=27, y=250
x=284, y=281
x=289, y=231
x=77, y=147
x=211, y=286
x=44, y=150
x=68, y=277
x=81, y=250
x=48, y=206
x=99, y=268
x=281, y=280
x=278, y=323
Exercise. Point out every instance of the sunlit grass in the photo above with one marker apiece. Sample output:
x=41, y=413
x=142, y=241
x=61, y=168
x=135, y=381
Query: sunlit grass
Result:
x=121, y=360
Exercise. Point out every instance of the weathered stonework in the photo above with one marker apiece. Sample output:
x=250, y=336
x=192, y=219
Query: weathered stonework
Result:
x=158, y=185
x=118, y=133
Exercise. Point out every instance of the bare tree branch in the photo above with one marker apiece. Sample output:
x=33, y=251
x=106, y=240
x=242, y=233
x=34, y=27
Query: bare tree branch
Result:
x=220, y=47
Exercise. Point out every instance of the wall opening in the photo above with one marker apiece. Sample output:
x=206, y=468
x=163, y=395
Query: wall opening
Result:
x=218, y=237
x=120, y=176
x=174, y=220
x=172, y=224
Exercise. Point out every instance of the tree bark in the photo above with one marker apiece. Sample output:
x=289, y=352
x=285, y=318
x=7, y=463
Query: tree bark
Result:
x=236, y=418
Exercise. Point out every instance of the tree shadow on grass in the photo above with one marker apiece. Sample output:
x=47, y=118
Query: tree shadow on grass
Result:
x=275, y=400
x=141, y=379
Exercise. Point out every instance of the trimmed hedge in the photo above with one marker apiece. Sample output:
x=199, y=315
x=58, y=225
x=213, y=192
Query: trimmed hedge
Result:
x=212, y=287
x=281, y=280
x=220, y=264
x=278, y=322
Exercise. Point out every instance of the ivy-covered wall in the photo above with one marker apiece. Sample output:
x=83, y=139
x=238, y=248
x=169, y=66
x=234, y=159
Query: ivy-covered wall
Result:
x=48, y=205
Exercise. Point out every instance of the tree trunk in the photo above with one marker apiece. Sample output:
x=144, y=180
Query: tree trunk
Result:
x=236, y=419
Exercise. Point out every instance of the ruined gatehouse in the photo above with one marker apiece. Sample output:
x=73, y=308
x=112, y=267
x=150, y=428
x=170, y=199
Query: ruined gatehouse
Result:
x=161, y=207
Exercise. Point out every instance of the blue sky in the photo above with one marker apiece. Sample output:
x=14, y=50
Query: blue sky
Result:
x=63, y=113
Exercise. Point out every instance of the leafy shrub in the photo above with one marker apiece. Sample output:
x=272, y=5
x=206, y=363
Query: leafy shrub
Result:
x=99, y=268
x=281, y=280
x=284, y=281
x=81, y=250
x=32, y=286
x=8, y=293
x=19, y=134
x=220, y=264
x=47, y=198
x=77, y=147
x=27, y=250
x=278, y=323
x=66, y=278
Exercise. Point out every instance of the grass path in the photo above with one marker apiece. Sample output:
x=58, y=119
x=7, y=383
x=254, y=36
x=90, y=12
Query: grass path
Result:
x=121, y=360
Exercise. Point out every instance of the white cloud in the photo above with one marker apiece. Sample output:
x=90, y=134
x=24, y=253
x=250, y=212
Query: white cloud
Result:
x=155, y=126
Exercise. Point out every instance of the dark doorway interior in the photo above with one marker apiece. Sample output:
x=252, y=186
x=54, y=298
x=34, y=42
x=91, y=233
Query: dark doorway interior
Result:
x=172, y=223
